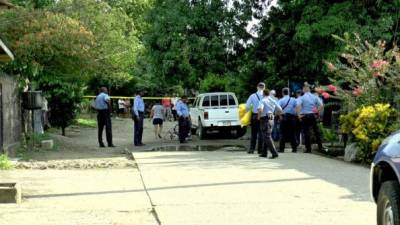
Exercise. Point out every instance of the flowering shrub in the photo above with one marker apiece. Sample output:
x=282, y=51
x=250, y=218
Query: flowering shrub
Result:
x=326, y=91
x=368, y=126
x=366, y=74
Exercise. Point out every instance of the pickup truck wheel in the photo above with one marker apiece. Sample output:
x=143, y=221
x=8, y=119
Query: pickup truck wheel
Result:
x=201, y=131
x=389, y=204
x=239, y=132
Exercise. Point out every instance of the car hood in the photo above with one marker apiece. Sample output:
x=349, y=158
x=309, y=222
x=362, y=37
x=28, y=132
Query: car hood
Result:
x=390, y=147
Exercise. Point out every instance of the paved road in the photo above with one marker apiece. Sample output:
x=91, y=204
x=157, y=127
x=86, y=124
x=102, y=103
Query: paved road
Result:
x=189, y=188
x=235, y=188
x=77, y=197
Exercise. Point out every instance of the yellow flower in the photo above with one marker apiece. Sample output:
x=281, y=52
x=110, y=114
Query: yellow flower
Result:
x=375, y=144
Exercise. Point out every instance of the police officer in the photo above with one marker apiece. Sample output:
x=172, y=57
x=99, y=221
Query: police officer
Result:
x=182, y=111
x=299, y=93
x=288, y=122
x=266, y=110
x=103, y=107
x=138, y=118
x=252, y=103
x=308, y=106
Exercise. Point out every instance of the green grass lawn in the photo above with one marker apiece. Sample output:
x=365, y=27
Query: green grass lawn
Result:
x=84, y=122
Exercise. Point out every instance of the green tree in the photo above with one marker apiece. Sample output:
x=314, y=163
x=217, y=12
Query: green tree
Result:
x=53, y=53
x=295, y=38
x=35, y=4
x=187, y=40
x=117, y=41
x=136, y=10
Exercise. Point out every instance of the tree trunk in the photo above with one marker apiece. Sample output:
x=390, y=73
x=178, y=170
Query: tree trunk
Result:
x=63, y=131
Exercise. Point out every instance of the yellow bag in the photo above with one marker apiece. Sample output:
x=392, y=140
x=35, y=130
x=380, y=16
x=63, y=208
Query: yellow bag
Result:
x=245, y=117
x=246, y=120
x=242, y=110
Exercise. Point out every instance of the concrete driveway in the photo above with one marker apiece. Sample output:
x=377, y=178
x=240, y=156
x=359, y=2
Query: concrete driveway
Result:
x=236, y=188
x=187, y=188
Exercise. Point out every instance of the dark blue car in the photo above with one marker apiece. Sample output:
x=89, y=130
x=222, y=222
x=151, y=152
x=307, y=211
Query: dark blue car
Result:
x=385, y=182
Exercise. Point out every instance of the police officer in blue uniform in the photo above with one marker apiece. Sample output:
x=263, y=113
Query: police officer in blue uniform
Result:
x=103, y=107
x=267, y=108
x=299, y=93
x=308, y=106
x=252, y=103
x=138, y=118
x=288, y=122
x=182, y=111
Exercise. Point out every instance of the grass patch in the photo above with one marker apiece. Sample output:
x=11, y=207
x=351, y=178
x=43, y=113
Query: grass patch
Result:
x=26, y=151
x=5, y=163
x=86, y=122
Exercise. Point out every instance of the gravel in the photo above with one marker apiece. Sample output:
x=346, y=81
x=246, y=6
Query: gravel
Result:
x=114, y=163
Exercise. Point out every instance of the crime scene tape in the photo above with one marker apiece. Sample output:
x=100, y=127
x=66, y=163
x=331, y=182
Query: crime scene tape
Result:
x=124, y=97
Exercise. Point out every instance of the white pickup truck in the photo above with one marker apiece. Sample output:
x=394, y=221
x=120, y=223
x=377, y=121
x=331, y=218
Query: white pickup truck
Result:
x=216, y=111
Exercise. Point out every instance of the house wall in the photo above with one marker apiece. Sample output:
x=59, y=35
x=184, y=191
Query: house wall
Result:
x=11, y=108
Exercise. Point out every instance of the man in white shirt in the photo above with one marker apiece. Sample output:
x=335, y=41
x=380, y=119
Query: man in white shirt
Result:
x=267, y=108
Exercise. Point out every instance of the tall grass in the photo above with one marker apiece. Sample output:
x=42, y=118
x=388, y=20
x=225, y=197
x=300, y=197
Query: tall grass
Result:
x=5, y=163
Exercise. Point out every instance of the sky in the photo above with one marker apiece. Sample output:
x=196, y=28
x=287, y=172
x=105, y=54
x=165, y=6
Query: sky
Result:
x=255, y=22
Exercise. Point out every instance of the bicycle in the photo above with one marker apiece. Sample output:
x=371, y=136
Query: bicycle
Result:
x=173, y=134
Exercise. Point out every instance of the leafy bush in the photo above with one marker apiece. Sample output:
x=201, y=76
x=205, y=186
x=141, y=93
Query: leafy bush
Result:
x=64, y=99
x=365, y=73
x=213, y=83
x=328, y=135
x=368, y=126
x=5, y=164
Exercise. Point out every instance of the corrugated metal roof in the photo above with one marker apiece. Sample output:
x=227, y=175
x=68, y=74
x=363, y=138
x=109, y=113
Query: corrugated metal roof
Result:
x=4, y=2
x=4, y=51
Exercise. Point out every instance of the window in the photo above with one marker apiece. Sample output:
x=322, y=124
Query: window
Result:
x=214, y=100
x=194, y=103
x=197, y=101
x=206, y=101
x=231, y=100
x=223, y=100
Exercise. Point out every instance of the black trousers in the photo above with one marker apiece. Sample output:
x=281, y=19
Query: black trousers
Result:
x=309, y=121
x=298, y=131
x=174, y=114
x=256, y=134
x=138, y=129
x=266, y=128
x=288, y=132
x=184, y=125
x=104, y=119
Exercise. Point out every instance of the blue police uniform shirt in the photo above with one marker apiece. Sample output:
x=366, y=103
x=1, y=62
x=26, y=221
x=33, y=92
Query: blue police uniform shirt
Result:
x=254, y=101
x=290, y=104
x=268, y=106
x=101, y=102
x=182, y=109
x=138, y=105
x=308, y=103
